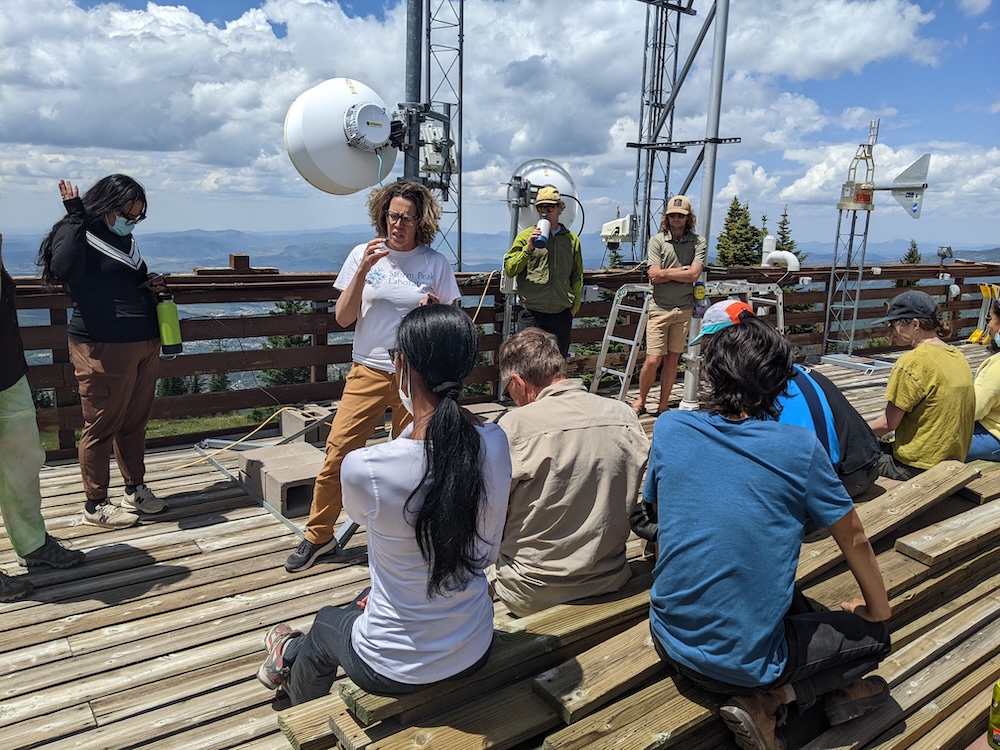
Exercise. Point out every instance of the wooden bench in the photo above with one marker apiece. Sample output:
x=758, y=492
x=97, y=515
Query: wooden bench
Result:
x=522, y=647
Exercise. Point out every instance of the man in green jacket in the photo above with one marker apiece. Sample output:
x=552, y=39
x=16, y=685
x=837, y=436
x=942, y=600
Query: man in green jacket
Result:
x=550, y=278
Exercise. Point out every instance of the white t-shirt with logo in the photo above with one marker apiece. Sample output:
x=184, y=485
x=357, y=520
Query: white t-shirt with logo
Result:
x=394, y=286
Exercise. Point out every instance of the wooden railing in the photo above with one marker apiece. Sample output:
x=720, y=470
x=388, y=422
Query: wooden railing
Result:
x=242, y=284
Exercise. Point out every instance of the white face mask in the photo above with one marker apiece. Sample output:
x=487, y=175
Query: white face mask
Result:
x=406, y=399
x=996, y=339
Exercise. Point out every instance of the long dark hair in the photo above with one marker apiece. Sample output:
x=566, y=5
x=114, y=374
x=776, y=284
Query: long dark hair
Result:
x=112, y=193
x=748, y=366
x=440, y=344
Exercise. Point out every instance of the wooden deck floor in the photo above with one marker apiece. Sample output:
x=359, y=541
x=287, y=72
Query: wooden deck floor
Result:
x=155, y=640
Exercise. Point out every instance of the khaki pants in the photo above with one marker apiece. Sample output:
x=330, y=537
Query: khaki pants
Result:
x=117, y=384
x=21, y=456
x=367, y=394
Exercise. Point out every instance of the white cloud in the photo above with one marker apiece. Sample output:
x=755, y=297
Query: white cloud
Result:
x=196, y=110
x=974, y=8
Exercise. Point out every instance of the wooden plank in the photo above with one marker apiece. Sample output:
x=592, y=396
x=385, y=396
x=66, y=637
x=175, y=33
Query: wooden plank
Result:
x=941, y=707
x=905, y=634
x=984, y=489
x=886, y=513
x=528, y=645
x=66, y=722
x=666, y=712
x=963, y=728
x=163, y=724
x=912, y=692
x=598, y=676
x=501, y=720
x=350, y=734
x=955, y=537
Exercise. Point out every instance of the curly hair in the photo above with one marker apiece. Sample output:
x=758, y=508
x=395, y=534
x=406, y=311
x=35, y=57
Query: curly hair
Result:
x=748, y=366
x=689, y=225
x=425, y=204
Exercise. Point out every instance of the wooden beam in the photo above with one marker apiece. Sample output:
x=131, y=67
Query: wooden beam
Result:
x=953, y=538
x=886, y=513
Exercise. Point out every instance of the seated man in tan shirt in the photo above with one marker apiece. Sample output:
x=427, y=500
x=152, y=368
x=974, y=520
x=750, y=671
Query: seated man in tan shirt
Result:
x=578, y=461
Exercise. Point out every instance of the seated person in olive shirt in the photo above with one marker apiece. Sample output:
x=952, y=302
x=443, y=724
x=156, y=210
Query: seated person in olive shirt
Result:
x=577, y=463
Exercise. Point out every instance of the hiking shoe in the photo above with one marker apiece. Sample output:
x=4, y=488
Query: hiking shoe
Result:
x=753, y=719
x=143, y=500
x=306, y=554
x=13, y=588
x=274, y=672
x=857, y=699
x=110, y=517
x=53, y=554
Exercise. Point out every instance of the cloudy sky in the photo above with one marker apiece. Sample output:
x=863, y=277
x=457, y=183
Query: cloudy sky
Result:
x=191, y=100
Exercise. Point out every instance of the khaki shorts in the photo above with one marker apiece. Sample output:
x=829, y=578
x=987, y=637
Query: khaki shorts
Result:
x=667, y=331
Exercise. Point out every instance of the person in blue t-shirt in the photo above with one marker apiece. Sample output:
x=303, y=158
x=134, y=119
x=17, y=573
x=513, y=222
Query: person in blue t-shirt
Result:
x=733, y=489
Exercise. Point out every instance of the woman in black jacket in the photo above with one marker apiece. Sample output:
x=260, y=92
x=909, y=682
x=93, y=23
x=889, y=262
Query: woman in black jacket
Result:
x=113, y=338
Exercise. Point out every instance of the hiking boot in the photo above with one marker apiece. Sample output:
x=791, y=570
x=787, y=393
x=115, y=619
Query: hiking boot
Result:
x=143, y=500
x=110, y=516
x=53, y=554
x=13, y=588
x=753, y=719
x=857, y=699
x=306, y=554
x=274, y=672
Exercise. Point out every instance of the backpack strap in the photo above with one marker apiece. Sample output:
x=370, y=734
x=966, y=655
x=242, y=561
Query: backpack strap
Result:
x=808, y=388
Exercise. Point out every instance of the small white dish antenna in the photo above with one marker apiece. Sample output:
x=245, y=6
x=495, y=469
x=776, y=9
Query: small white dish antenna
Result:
x=337, y=136
x=541, y=172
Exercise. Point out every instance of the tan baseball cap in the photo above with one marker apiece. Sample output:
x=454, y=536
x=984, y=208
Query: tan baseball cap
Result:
x=679, y=204
x=548, y=194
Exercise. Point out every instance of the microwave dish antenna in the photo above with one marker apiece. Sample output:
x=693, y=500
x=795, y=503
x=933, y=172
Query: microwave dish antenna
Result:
x=339, y=135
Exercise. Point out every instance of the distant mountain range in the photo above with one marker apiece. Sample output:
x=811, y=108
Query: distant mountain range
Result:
x=325, y=250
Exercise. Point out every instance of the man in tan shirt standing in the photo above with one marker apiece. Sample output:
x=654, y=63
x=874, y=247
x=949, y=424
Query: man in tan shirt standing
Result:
x=676, y=259
x=578, y=461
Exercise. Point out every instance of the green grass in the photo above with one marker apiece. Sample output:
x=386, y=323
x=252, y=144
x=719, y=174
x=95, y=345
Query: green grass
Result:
x=226, y=422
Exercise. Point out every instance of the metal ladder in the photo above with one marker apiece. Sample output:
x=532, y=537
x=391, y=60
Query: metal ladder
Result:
x=610, y=338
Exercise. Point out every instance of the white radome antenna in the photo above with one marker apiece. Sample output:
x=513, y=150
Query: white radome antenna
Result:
x=532, y=175
x=337, y=136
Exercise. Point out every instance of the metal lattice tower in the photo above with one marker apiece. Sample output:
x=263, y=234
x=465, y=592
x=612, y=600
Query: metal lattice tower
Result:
x=848, y=267
x=433, y=110
x=656, y=115
x=441, y=133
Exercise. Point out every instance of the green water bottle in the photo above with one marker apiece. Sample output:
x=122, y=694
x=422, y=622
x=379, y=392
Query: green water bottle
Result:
x=170, y=327
x=993, y=731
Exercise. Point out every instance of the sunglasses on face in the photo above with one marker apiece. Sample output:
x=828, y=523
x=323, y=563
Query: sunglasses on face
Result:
x=394, y=216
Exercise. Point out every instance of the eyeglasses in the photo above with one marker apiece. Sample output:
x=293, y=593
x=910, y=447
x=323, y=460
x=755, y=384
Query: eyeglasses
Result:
x=543, y=208
x=408, y=221
x=394, y=353
x=132, y=219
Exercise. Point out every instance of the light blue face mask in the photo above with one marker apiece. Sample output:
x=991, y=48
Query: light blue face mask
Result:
x=122, y=226
x=996, y=339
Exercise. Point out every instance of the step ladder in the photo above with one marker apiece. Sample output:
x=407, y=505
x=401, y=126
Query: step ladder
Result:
x=623, y=304
x=981, y=335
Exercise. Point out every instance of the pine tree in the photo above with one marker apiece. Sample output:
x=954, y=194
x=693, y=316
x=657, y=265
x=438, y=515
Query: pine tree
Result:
x=219, y=381
x=912, y=254
x=785, y=241
x=171, y=387
x=740, y=242
x=289, y=375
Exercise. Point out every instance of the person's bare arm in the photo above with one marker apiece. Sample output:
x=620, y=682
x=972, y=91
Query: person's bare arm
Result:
x=349, y=302
x=888, y=421
x=853, y=542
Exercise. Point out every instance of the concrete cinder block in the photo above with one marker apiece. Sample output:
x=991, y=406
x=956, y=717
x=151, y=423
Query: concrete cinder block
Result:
x=254, y=463
x=290, y=488
x=294, y=421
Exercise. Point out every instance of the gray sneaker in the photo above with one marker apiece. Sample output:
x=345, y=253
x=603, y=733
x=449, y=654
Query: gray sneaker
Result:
x=143, y=500
x=110, y=517
x=53, y=554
